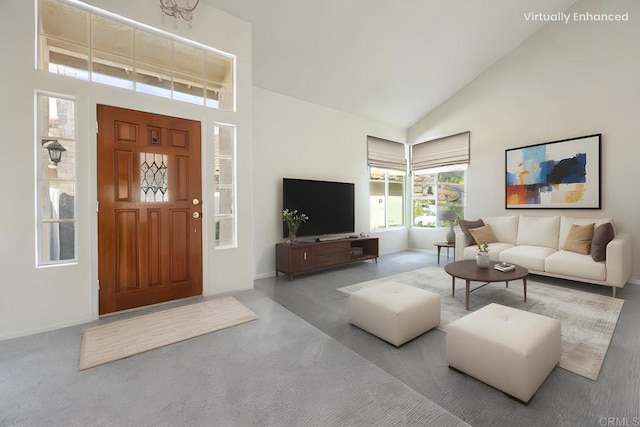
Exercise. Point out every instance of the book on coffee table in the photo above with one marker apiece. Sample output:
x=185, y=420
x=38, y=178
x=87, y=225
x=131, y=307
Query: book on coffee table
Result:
x=504, y=267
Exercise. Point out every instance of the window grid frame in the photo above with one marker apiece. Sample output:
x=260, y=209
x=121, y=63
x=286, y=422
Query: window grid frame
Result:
x=217, y=186
x=204, y=80
x=40, y=220
x=438, y=204
x=387, y=193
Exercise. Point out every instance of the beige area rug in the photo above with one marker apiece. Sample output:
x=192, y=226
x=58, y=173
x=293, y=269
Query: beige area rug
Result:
x=587, y=320
x=113, y=341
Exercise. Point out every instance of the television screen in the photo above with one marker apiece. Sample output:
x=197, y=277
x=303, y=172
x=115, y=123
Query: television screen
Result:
x=329, y=205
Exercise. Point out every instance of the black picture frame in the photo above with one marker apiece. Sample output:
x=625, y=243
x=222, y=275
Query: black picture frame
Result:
x=564, y=174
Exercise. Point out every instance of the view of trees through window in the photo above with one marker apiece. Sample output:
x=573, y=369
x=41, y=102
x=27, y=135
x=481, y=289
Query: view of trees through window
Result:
x=434, y=192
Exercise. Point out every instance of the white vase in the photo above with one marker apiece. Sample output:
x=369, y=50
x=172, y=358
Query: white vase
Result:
x=483, y=259
x=451, y=236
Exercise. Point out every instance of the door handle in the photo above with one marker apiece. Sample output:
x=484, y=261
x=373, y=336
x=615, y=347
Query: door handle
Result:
x=196, y=215
x=195, y=201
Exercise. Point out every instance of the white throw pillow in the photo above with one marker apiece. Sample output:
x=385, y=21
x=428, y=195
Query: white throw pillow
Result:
x=505, y=228
x=539, y=231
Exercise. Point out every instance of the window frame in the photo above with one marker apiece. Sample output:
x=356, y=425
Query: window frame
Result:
x=171, y=73
x=386, y=182
x=218, y=216
x=438, y=204
x=39, y=136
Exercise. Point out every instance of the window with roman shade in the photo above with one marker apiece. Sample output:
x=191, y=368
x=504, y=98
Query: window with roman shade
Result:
x=446, y=151
x=386, y=154
x=438, y=181
x=387, y=162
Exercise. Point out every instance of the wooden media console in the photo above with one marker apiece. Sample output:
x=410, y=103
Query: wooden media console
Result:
x=305, y=257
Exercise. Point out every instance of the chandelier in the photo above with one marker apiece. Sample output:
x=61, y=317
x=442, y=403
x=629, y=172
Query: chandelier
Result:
x=178, y=9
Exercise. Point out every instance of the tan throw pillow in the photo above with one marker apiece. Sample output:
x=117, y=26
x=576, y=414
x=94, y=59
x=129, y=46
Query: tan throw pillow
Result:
x=465, y=226
x=579, y=239
x=602, y=235
x=483, y=234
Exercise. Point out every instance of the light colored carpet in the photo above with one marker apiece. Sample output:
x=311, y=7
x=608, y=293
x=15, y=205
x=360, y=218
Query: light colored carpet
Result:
x=587, y=320
x=106, y=343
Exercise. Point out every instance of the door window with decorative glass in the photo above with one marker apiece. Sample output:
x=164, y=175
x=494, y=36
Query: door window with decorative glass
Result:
x=436, y=191
x=56, y=178
x=386, y=198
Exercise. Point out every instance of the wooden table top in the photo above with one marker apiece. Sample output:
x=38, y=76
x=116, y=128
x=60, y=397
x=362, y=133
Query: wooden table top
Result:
x=469, y=270
x=445, y=244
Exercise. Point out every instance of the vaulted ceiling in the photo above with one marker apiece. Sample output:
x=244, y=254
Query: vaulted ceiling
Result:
x=394, y=61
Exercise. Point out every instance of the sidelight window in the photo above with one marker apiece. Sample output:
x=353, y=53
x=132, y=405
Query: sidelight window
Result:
x=224, y=143
x=55, y=150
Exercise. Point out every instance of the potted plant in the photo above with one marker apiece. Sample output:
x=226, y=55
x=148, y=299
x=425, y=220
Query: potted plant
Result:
x=293, y=221
x=482, y=258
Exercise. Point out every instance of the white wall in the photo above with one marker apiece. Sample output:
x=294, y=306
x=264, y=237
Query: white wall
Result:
x=35, y=299
x=297, y=139
x=567, y=80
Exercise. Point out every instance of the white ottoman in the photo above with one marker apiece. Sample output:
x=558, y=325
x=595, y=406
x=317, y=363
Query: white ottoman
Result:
x=509, y=349
x=394, y=312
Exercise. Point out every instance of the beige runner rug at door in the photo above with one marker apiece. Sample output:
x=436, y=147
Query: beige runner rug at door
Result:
x=113, y=341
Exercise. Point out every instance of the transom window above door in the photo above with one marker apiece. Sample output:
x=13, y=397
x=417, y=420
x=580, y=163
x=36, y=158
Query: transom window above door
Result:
x=90, y=44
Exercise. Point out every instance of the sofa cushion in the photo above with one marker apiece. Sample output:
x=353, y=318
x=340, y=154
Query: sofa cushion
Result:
x=602, y=235
x=530, y=257
x=539, y=231
x=566, y=222
x=579, y=239
x=483, y=234
x=495, y=249
x=505, y=228
x=568, y=263
x=465, y=226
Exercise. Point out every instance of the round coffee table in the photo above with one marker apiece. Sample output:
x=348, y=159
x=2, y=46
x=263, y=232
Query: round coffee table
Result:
x=470, y=272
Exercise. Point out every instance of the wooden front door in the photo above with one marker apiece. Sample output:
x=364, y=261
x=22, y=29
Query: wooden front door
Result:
x=149, y=209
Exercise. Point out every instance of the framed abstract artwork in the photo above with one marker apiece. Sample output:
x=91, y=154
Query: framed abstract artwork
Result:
x=554, y=175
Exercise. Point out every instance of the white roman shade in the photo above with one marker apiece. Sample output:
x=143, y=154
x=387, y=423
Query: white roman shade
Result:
x=386, y=154
x=449, y=150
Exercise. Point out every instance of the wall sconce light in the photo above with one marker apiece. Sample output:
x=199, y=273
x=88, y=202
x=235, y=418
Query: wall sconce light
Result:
x=55, y=150
x=178, y=9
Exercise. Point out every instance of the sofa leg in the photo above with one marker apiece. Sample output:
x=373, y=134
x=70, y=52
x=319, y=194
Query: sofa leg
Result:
x=614, y=291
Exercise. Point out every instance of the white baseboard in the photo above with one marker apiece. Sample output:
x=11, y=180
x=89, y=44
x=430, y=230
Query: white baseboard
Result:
x=47, y=328
x=264, y=275
x=635, y=280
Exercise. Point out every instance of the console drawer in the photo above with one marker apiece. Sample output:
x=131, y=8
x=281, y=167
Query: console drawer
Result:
x=333, y=253
x=333, y=247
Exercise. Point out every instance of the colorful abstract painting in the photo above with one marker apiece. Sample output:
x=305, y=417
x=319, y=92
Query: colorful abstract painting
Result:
x=559, y=175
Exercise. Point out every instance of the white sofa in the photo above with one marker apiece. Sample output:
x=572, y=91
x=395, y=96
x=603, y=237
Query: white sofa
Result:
x=537, y=243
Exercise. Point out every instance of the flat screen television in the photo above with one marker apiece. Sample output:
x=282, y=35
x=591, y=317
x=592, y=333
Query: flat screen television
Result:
x=329, y=205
